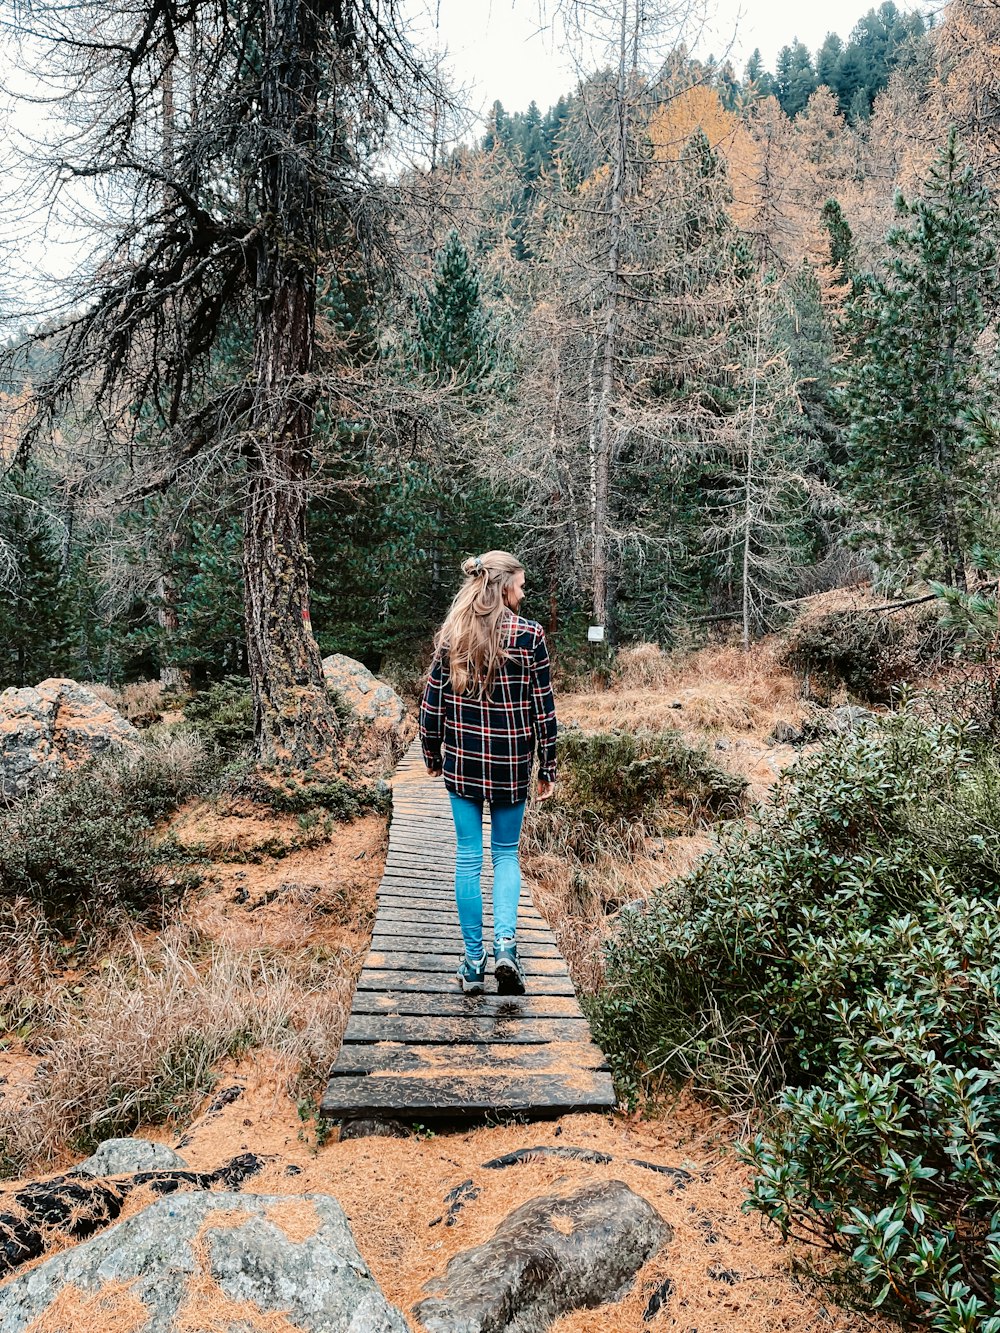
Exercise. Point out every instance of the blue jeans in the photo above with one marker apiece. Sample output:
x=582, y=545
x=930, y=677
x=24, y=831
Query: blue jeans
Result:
x=505, y=834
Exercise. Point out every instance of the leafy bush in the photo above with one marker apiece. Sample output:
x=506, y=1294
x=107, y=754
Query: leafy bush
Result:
x=222, y=715
x=342, y=799
x=626, y=775
x=870, y=655
x=894, y=1157
x=844, y=950
x=79, y=848
x=80, y=851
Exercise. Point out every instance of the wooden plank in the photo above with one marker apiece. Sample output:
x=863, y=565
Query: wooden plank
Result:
x=433, y=983
x=426, y=1099
x=390, y=924
x=464, y=1060
x=453, y=1004
x=445, y=940
x=405, y=960
x=432, y=1031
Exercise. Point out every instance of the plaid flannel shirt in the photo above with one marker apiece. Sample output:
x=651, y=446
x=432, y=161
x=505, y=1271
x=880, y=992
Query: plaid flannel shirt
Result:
x=486, y=745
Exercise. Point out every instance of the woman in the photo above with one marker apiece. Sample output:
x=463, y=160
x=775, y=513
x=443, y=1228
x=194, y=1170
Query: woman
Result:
x=487, y=703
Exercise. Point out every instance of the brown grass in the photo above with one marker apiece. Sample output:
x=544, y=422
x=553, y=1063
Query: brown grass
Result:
x=141, y=1034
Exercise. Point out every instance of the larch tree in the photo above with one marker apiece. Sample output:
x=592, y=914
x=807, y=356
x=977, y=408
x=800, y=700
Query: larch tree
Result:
x=229, y=139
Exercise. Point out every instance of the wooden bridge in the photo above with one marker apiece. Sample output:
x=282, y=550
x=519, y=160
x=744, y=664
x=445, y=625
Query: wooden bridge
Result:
x=419, y=1049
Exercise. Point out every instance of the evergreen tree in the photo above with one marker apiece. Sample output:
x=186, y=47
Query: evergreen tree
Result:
x=455, y=342
x=796, y=78
x=828, y=60
x=919, y=373
x=36, y=607
x=841, y=240
x=756, y=77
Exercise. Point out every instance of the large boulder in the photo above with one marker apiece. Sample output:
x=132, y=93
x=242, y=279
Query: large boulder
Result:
x=53, y=727
x=207, y=1261
x=549, y=1256
x=371, y=700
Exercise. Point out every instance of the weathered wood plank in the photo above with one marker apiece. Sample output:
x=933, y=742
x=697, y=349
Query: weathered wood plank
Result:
x=561, y=1059
x=392, y=924
x=432, y=983
x=453, y=1004
x=405, y=960
x=449, y=942
x=433, y=1099
x=435, y=1031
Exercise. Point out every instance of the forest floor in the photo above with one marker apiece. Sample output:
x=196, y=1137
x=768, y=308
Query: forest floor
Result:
x=299, y=898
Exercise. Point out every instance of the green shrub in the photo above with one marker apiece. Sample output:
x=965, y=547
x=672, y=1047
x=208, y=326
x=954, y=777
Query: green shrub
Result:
x=871, y=655
x=894, y=1157
x=222, y=715
x=843, y=951
x=80, y=852
x=298, y=796
x=80, y=848
x=614, y=784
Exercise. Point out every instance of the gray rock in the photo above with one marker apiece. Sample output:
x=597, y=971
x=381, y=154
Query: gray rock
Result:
x=848, y=717
x=54, y=727
x=722, y=744
x=549, y=1256
x=785, y=733
x=245, y=1244
x=116, y=1157
x=377, y=1127
x=370, y=700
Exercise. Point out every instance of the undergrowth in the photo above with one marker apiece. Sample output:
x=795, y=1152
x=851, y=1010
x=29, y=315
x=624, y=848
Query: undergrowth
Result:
x=615, y=788
x=841, y=954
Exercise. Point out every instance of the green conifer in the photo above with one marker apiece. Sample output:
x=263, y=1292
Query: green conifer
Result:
x=918, y=373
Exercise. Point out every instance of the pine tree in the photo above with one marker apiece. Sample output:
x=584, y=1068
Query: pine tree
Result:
x=919, y=373
x=36, y=619
x=455, y=342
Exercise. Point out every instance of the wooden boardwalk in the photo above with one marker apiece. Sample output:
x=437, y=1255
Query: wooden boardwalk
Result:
x=415, y=1046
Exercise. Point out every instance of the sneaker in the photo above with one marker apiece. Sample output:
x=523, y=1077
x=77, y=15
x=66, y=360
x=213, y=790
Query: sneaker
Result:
x=507, y=968
x=472, y=975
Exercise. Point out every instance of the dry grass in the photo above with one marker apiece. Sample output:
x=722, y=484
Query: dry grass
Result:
x=716, y=690
x=141, y=1039
x=258, y=958
x=141, y=702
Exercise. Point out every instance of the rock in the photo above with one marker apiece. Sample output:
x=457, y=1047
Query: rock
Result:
x=199, y=1253
x=372, y=1127
x=54, y=727
x=115, y=1157
x=549, y=1256
x=848, y=717
x=370, y=700
x=722, y=744
x=785, y=734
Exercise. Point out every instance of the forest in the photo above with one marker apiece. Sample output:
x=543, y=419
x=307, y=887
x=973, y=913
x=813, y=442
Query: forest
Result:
x=649, y=338
x=715, y=352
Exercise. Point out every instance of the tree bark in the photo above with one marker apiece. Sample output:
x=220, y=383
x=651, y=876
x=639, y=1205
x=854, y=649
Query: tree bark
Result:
x=610, y=333
x=294, y=720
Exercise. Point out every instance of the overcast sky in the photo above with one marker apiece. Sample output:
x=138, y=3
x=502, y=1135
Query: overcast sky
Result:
x=506, y=52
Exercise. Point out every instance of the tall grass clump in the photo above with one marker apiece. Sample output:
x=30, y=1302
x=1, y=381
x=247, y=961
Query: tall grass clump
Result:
x=836, y=966
x=142, y=1041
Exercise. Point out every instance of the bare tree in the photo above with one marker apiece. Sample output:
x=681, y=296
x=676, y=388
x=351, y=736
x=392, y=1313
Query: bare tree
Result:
x=230, y=139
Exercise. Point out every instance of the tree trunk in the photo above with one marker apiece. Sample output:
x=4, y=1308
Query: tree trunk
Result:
x=294, y=720
x=609, y=338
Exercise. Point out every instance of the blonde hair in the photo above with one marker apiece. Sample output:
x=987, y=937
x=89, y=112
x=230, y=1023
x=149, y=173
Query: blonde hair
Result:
x=473, y=634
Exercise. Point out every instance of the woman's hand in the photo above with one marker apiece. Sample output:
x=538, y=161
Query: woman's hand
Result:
x=545, y=789
x=434, y=772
